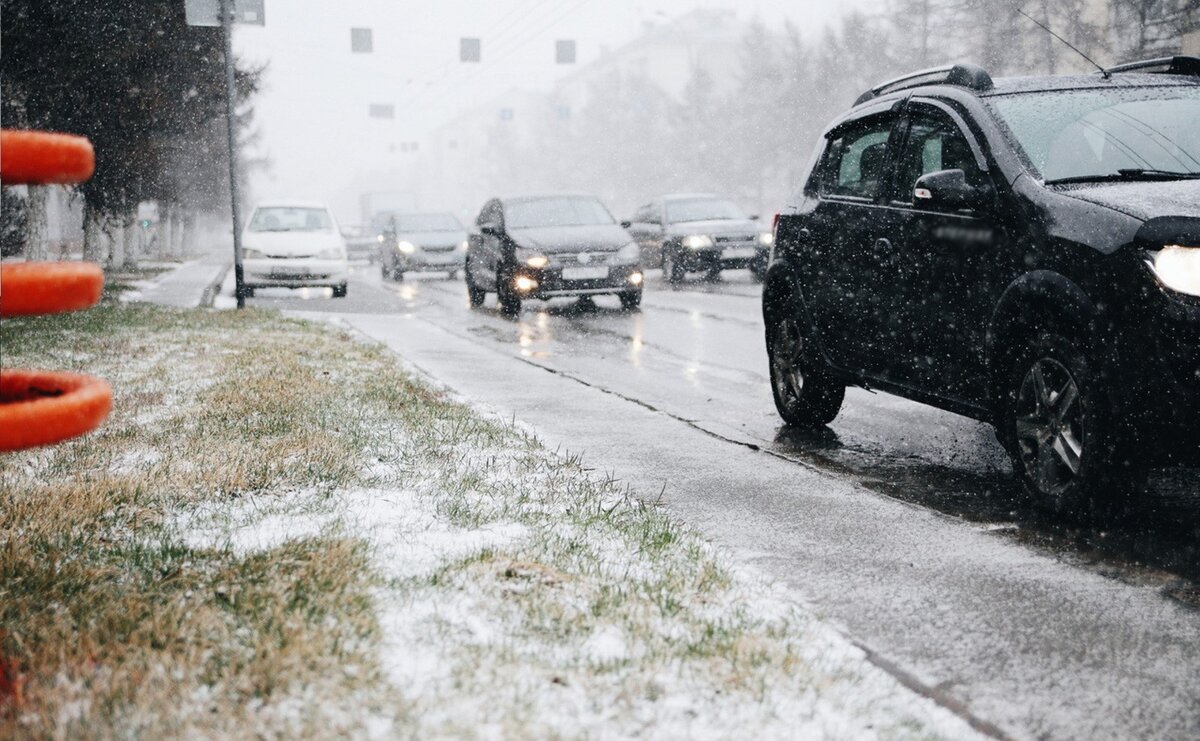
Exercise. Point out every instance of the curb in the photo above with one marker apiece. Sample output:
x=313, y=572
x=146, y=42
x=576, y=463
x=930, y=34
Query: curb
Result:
x=214, y=286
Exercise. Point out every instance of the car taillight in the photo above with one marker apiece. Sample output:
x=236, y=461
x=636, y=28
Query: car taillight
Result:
x=775, y=227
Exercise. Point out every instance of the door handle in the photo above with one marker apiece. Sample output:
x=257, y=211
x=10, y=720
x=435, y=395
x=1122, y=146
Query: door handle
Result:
x=883, y=244
x=805, y=233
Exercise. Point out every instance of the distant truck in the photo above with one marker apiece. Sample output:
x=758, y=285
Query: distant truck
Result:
x=386, y=201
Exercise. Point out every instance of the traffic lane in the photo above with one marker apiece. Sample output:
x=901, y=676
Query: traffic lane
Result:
x=704, y=363
x=1025, y=641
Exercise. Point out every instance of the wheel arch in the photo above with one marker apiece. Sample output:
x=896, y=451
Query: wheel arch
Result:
x=1036, y=300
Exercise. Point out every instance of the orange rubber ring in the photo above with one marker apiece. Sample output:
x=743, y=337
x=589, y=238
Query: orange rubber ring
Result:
x=45, y=407
x=42, y=158
x=48, y=287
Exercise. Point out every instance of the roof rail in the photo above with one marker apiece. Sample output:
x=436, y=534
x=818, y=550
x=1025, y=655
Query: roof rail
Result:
x=1178, y=65
x=965, y=75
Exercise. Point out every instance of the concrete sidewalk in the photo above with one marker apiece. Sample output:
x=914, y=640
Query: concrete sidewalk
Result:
x=194, y=283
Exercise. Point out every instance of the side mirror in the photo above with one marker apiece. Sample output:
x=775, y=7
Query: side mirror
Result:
x=491, y=228
x=948, y=189
x=626, y=224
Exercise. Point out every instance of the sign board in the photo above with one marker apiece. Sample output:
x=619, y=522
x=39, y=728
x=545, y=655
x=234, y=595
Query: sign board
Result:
x=208, y=12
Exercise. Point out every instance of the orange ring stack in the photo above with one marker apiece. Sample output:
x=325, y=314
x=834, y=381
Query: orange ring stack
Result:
x=44, y=407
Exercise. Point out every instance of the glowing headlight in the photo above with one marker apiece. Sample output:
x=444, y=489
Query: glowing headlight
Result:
x=464, y=245
x=380, y=238
x=1178, y=268
x=406, y=247
x=524, y=284
x=333, y=253
x=697, y=242
x=249, y=254
x=531, y=258
x=766, y=238
x=629, y=253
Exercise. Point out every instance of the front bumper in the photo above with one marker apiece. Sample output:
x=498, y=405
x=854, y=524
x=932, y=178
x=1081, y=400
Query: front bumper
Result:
x=294, y=272
x=1159, y=372
x=724, y=257
x=434, y=261
x=551, y=282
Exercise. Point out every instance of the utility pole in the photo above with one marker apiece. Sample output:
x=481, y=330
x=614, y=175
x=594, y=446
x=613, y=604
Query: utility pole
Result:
x=231, y=119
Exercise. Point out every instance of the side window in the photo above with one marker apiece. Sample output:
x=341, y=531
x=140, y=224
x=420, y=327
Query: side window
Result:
x=855, y=160
x=646, y=215
x=934, y=143
x=489, y=214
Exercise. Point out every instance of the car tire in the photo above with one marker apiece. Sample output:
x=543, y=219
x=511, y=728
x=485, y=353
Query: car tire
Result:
x=671, y=269
x=247, y=292
x=397, y=274
x=1061, y=429
x=340, y=291
x=510, y=302
x=384, y=271
x=631, y=300
x=807, y=393
x=475, y=295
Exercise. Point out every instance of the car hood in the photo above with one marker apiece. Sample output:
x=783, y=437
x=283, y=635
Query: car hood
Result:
x=433, y=239
x=1143, y=200
x=291, y=243
x=716, y=227
x=599, y=237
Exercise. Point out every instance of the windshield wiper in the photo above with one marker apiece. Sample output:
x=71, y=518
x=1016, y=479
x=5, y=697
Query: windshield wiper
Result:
x=1128, y=173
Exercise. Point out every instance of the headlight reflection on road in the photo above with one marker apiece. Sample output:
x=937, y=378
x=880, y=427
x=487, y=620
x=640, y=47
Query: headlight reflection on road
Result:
x=637, y=343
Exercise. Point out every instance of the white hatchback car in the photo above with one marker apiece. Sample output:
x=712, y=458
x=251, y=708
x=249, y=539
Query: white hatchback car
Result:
x=293, y=244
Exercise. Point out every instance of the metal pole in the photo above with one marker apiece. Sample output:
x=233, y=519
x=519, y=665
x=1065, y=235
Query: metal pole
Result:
x=230, y=97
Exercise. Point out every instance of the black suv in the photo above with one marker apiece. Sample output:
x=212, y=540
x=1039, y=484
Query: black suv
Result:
x=1022, y=251
x=547, y=246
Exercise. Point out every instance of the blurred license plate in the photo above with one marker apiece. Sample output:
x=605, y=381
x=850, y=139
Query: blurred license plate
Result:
x=584, y=273
x=286, y=270
x=738, y=252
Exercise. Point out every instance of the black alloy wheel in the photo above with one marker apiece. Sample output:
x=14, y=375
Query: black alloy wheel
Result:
x=475, y=295
x=806, y=393
x=631, y=300
x=340, y=291
x=1062, y=434
x=510, y=301
x=671, y=269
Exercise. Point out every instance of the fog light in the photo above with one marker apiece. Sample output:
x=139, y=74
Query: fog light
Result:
x=635, y=278
x=524, y=284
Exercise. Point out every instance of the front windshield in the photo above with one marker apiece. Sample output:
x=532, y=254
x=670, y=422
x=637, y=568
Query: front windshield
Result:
x=1099, y=134
x=288, y=219
x=703, y=209
x=428, y=223
x=557, y=211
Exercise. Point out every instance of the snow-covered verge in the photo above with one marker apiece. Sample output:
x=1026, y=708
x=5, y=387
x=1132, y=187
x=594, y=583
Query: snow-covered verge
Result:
x=313, y=543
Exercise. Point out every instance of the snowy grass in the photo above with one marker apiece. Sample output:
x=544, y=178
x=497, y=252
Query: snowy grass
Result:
x=279, y=532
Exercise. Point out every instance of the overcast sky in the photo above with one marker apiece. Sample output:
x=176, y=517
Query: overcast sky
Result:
x=312, y=115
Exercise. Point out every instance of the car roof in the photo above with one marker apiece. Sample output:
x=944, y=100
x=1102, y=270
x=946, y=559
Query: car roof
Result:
x=290, y=204
x=695, y=197
x=1009, y=85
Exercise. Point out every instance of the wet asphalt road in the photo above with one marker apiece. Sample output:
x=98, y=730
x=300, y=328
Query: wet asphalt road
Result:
x=899, y=523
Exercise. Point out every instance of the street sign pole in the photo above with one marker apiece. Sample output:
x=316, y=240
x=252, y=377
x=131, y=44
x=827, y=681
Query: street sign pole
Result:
x=230, y=105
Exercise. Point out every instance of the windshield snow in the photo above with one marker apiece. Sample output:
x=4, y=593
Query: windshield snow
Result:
x=703, y=209
x=291, y=220
x=1080, y=134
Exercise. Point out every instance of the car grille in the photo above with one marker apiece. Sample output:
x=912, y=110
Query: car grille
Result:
x=439, y=248
x=594, y=258
x=290, y=257
x=734, y=239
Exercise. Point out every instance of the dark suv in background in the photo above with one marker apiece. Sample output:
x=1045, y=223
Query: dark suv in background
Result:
x=1022, y=251
x=543, y=247
x=699, y=233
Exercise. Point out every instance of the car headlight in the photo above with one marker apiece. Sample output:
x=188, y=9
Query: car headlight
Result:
x=766, y=238
x=1178, y=268
x=532, y=259
x=252, y=254
x=697, y=242
x=380, y=238
x=464, y=245
x=629, y=253
x=333, y=253
x=406, y=247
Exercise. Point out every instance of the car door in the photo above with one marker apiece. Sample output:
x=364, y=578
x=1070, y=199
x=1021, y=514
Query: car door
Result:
x=838, y=267
x=945, y=261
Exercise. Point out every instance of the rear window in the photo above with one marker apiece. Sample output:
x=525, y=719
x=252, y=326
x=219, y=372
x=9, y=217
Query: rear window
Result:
x=855, y=160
